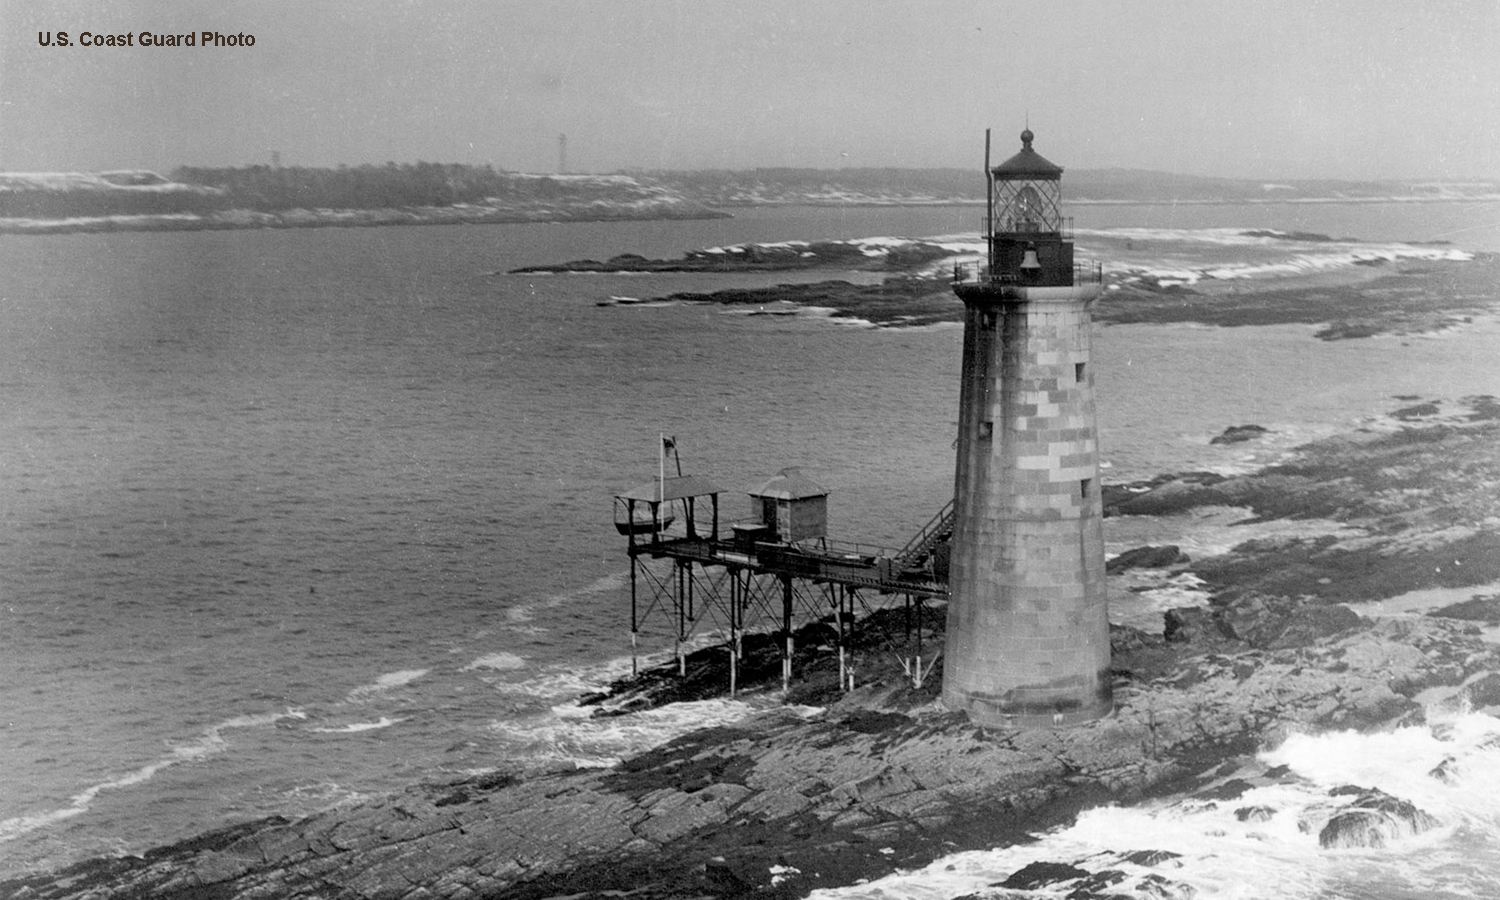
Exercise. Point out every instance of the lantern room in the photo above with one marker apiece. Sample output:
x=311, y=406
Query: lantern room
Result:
x=1027, y=233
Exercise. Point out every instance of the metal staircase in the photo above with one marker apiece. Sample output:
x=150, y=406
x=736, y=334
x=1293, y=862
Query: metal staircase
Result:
x=919, y=549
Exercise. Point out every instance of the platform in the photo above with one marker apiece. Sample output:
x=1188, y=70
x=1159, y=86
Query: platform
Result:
x=717, y=587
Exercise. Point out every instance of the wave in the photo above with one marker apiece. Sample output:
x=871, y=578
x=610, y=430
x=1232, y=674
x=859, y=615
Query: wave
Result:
x=1185, y=255
x=1301, y=264
x=525, y=612
x=558, y=682
x=210, y=741
x=501, y=661
x=1262, y=831
x=570, y=733
x=1235, y=237
x=355, y=727
x=387, y=682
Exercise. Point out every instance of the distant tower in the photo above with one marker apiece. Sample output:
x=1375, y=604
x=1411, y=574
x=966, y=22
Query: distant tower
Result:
x=1028, y=621
x=562, y=154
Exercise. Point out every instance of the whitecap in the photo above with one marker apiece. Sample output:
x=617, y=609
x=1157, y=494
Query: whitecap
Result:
x=354, y=727
x=524, y=612
x=502, y=661
x=1169, y=273
x=388, y=681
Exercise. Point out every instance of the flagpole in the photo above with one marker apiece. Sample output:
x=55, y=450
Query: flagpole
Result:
x=661, y=491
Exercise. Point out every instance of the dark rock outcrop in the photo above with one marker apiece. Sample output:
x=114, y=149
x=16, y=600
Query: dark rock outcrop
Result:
x=1479, y=608
x=1149, y=557
x=1192, y=624
x=1276, y=623
x=1268, y=623
x=782, y=256
x=1374, y=819
x=1041, y=874
x=1237, y=434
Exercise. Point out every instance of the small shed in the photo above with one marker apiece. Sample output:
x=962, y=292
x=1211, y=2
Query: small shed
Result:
x=792, y=506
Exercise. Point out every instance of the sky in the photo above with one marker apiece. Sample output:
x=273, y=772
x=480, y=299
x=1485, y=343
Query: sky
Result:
x=1263, y=89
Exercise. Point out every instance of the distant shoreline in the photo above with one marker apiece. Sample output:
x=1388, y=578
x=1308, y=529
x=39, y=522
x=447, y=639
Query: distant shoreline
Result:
x=244, y=219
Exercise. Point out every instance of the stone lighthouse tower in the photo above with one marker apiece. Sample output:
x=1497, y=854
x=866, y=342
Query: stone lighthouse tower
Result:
x=1028, y=621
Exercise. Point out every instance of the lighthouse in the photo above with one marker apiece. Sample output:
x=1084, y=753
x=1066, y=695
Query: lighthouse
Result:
x=1028, y=619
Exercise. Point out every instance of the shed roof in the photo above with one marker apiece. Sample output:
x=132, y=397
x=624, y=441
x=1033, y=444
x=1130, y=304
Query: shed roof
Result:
x=1027, y=164
x=789, y=484
x=679, y=488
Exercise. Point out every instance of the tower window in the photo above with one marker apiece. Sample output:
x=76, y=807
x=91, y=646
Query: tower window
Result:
x=1079, y=372
x=1085, y=486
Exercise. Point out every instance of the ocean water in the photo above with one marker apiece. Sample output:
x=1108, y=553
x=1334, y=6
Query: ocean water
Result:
x=289, y=518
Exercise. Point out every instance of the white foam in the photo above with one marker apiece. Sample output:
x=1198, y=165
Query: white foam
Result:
x=1296, y=264
x=388, y=681
x=1399, y=762
x=570, y=732
x=1229, y=237
x=566, y=682
x=525, y=612
x=1147, y=596
x=501, y=661
x=573, y=711
x=385, y=722
x=1222, y=856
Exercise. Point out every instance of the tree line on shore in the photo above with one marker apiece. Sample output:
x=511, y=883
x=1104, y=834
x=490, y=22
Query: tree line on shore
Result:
x=198, y=189
x=368, y=186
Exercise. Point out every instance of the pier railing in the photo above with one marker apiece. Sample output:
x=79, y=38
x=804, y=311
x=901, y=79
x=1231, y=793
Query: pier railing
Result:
x=880, y=570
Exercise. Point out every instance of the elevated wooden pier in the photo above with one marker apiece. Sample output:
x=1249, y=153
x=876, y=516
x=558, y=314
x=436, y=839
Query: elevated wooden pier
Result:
x=779, y=572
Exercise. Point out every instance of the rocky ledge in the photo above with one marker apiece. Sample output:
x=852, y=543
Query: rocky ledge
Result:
x=800, y=797
x=1384, y=297
x=876, y=254
x=829, y=787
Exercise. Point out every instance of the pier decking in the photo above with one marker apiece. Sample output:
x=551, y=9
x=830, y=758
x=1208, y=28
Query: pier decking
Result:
x=780, y=573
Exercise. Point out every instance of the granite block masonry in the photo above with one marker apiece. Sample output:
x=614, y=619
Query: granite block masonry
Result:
x=1028, y=619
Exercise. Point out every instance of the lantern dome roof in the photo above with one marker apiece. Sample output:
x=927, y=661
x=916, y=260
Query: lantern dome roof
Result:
x=1028, y=164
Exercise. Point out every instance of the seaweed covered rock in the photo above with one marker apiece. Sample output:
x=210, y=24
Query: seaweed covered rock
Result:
x=1374, y=819
x=1191, y=625
x=1278, y=623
